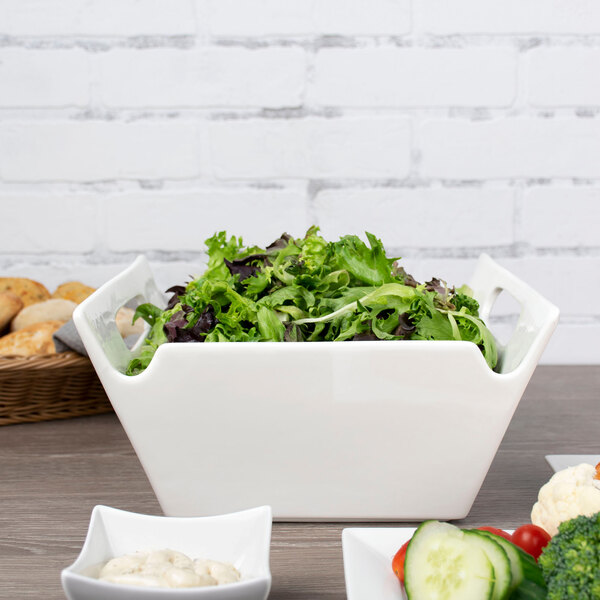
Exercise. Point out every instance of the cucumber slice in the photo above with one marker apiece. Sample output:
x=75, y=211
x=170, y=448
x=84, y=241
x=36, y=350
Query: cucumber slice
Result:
x=531, y=570
x=513, y=557
x=526, y=574
x=441, y=564
x=499, y=559
x=528, y=590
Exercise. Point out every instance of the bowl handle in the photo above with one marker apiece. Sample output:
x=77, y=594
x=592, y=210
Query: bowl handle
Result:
x=95, y=317
x=536, y=322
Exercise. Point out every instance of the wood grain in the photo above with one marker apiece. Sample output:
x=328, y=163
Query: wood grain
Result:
x=52, y=474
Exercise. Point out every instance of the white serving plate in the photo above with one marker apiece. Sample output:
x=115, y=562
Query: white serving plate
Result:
x=320, y=430
x=242, y=539
x=368, y=554
x=558, y=462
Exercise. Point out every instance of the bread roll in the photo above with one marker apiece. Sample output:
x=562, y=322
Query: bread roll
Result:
x=73, y=290
x=50, y=310
x=28, y=290
x=124, y=318
x=35, y=339
x=10, y=305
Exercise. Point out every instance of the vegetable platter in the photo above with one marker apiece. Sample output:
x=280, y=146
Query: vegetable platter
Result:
x=326, y=430
x=443, y=561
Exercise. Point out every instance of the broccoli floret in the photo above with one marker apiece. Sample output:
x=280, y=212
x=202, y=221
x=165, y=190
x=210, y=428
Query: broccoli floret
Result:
x=571, y=561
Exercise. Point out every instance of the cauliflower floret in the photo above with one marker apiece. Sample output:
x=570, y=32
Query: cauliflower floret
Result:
x=569, y=493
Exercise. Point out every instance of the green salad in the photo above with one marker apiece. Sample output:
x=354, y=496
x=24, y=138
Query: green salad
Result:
x=306, y=290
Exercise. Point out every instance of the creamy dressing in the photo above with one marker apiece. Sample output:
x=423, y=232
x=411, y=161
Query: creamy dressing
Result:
x=167, y=569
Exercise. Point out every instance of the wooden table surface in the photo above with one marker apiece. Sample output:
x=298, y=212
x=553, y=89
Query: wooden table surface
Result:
x=52, y=474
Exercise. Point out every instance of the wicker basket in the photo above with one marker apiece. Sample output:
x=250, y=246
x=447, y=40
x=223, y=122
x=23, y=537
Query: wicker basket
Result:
x=54, y=386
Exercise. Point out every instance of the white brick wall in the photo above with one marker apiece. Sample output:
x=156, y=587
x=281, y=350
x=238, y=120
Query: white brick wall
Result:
x=415, y=77
x=561, y=216
x=272, y=210
x=400, y=220
x=564, y=77
x=312, y=147
x=306, y=17
x=506, y=147
x=44, y=78
x=36, y=223
x=96, y=17
x=446, y=127
x=57, y=150
x=215, y=77
x=510, y=17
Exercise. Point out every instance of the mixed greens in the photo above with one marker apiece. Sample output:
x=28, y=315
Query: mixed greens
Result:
x=308, y=289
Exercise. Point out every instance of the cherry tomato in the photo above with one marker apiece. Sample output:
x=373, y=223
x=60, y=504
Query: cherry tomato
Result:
x=398, y=561
x=530, y=538
x=497, y=531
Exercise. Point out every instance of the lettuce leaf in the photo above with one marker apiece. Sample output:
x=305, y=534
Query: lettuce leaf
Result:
x=307, y=289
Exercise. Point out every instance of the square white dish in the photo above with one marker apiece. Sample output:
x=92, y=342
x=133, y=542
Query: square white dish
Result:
x=558, y=462
x=368, y=554
x=310, y=428
x=242, y=539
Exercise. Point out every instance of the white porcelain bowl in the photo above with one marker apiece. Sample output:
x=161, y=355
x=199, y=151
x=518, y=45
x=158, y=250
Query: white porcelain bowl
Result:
x=242, y=539
x=322, y=430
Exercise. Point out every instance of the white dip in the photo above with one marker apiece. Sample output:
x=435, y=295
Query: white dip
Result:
x=167, y=568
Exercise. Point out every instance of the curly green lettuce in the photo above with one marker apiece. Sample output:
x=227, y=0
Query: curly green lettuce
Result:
x=308, y=289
